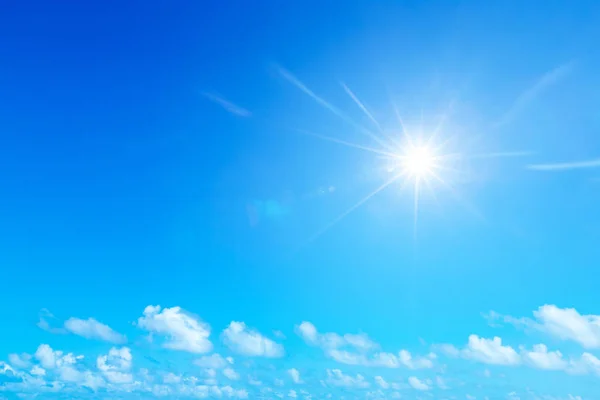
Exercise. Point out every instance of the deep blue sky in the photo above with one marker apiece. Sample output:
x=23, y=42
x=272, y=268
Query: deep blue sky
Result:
x=151, y=155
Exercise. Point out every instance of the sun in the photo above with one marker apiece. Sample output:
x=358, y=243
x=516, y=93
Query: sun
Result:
x=418, y=161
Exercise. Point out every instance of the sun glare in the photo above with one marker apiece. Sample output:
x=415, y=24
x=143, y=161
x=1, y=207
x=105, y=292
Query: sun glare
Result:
x=418, y=162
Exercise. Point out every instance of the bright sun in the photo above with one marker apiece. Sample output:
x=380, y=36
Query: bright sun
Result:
x=418, y=161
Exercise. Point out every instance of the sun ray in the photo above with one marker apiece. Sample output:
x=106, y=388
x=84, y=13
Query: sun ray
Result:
x=468, y=206
x=300, y=85
x=361, y=106
x=354, y=207
x=346, y=143
x=441, y=123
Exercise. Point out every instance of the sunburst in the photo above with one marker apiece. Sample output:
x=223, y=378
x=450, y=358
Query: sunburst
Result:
x=414, y=160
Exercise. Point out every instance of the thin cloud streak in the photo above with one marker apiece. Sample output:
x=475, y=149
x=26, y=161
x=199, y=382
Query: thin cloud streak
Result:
x=227, y=105
x=566, y=166
x=526, y=97
x=503, y=154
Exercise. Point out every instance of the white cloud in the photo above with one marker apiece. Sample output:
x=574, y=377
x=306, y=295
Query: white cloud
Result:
x=415, y=363
x=240, y=339
x=586, y=364
x=295, y=375
x=381, y=382
x=308, y=332
x=37, y=371
x=64, y=367
x=92, y=329
x=116, y=364
x=417, y=384
x=403, y=359
x=183, y=331
x=568, y=324
x=292, y=394
x=278, y=334
x=441, y=383
x=490, y=351
x=254, y=382
x=541, y=358
x=336, y=377
x=347, y=357
x=46, y=356
x=231, y=374
x=560, y=166
x=448, y=349
x=5, y=368
x=50, y=359
x=20, y=360
x=526, y=97
x=563, y=323
x=43, y=323
x=359, y=342
x=357, y=349
x=213, y=361
x=171, y=378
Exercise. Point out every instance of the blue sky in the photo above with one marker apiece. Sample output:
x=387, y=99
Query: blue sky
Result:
x=186, y=206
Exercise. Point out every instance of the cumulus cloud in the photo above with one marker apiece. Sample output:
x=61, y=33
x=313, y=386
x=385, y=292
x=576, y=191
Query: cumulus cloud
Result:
x=358, y=349
x=171, y=378
x=295, y=375
x=92, y=329
x=487, y=351
x=56, y=371
x=116, y=365
x=336, y=377
x=490, y=351
x=50, y=358
x=360, y=342
x=254, y=382
x=243, y=340
x=36, y=370
x=20, y=360
x=441, y=383
x=563, y=323
x=45, y=316
x=586, y=364
x=182, y=331
x=64, y=368
x=418, y=384
x=213, y=361
x=403, y=359
x=231, y=374
x=382, y=382
x=541, y=358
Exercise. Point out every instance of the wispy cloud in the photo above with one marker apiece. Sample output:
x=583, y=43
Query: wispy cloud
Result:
x=227, y=105
x=546, y=80
x=566, y=165
x=87, y=328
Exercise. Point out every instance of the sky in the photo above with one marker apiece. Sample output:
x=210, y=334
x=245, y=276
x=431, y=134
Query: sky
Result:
x=299, y=200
